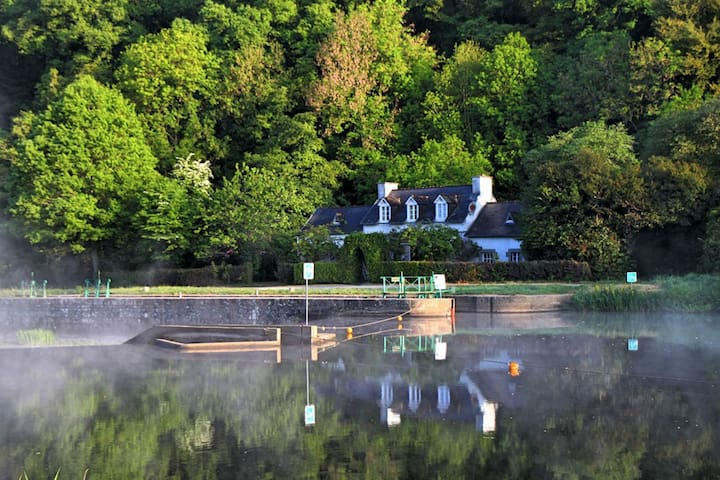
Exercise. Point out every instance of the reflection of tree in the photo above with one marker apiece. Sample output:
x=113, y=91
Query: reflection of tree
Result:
x=225, y=417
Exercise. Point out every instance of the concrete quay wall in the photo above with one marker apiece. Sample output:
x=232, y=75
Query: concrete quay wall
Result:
x=133, y=314
x=512, y=303
x=70, y=312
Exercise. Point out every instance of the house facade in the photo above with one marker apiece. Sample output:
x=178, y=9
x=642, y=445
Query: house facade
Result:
x=470, y=209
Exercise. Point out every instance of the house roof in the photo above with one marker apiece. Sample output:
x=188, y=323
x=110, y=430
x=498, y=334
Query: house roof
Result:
x=340, y=220
x=457, y=197
x=497, y=220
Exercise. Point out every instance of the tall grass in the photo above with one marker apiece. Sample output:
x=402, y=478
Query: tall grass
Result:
x=36, y=336
x=691, y=293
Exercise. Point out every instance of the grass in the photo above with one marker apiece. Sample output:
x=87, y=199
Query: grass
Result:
x=691, y=293
x=510, y=288
x=36, y=336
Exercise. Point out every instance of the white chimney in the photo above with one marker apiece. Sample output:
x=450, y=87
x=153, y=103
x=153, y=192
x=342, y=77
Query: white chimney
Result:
x=482, y=186
x=385, y=188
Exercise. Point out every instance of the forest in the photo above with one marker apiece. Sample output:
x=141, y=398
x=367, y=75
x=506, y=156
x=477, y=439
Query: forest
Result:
x=191, y=132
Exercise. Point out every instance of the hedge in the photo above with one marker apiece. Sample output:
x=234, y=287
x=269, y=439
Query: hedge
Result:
x=457, y=272
x=200, y=277
x=325, y=272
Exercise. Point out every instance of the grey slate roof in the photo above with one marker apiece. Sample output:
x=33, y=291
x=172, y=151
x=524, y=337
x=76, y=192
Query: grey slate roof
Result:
x=492, y=221
x=458, y=199
x=340, y=220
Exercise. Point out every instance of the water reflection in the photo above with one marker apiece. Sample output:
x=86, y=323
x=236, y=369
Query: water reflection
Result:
x=582, y=406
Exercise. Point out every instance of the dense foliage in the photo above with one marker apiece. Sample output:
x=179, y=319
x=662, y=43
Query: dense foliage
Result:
x=198, y=131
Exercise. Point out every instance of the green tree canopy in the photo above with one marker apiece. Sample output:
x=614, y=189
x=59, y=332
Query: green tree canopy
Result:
x=584, y=198
x=171, y=77
x=79, y=169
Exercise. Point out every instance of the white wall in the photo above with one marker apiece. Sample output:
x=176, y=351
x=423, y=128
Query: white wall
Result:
x=500, y=245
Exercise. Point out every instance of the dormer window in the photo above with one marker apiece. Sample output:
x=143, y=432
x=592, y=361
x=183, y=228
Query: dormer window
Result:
x=338, y=219
x=509, y=220
x=412, y=210
x=384, y=211
x=441, y=209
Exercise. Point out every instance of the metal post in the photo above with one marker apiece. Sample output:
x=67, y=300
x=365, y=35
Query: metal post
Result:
x=307, y=381
x=307, y=308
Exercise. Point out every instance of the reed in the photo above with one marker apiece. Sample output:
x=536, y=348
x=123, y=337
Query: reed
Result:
x=693, y=293
x=36, y=336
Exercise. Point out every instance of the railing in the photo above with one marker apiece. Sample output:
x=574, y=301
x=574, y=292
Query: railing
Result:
x=403, y=343
x=402, y=286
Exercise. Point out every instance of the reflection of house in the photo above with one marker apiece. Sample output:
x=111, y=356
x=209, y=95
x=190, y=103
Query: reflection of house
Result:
x=470, y=209
x=397, y=399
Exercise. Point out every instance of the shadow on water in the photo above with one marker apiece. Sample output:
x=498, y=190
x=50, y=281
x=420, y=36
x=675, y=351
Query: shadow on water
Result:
x=517, y=396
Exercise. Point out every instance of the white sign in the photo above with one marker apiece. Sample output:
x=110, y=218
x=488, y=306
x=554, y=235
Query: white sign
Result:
x=309, y=415
x=308, y=271
x=631, y=277
x=440, y=350
x=439, y=280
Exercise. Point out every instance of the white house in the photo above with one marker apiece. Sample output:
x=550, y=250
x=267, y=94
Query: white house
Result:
x=470, y=209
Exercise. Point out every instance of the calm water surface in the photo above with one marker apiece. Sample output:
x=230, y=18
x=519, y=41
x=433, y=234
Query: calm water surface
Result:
x=582, y=405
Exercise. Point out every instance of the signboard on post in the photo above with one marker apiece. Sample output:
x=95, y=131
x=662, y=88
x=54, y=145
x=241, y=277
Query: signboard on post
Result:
x=309, y=415
x=439, y=281
x=631, y=277
x=308, y=271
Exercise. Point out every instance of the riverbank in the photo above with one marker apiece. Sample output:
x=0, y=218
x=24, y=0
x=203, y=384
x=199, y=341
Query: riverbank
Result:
x=691, y=293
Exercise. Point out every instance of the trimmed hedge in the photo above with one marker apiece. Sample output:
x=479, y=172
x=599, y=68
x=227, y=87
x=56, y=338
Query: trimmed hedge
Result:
x=325, y=272
x=473, y=272
x=457, y=272
x=200, y=277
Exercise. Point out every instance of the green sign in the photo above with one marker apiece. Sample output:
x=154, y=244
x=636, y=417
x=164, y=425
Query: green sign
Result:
x=631, y=277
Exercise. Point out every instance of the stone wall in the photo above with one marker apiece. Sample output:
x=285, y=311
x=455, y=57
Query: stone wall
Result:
x=131, y=315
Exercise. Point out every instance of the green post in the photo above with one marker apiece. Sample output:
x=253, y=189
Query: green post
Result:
x=33, y=287
x=44, y=288
x=107, y=289
x=87, y=287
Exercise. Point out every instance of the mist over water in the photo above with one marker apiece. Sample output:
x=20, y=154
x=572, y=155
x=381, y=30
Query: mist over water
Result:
x=583, y=405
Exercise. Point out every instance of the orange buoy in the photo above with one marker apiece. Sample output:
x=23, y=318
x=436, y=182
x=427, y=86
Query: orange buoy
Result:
x=399, y=318
x=514, y=369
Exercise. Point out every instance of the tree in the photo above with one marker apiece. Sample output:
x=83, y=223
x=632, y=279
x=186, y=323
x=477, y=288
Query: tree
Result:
x=79, y=169
x=444, y=162
x=371, y=69
x=682, y=168
x=505, y=81
x=585, y=198
x=593, y=80
x=173, y=211
x=692, y=28
x=171, y=77
x=71, y=35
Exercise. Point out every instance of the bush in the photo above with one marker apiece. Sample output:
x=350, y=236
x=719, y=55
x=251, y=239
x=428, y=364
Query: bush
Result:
x=222, y=274
x=456, y=272
x=325, y=272
x=473, y=272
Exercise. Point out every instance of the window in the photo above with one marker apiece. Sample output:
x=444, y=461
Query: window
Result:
x=488, y=256
x=384, y=212
x=514, y=256
x=412, y=210
x=509, y=219
x=441, y=209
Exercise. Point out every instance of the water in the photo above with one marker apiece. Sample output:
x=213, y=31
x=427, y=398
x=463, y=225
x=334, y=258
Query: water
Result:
x=582, y=406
